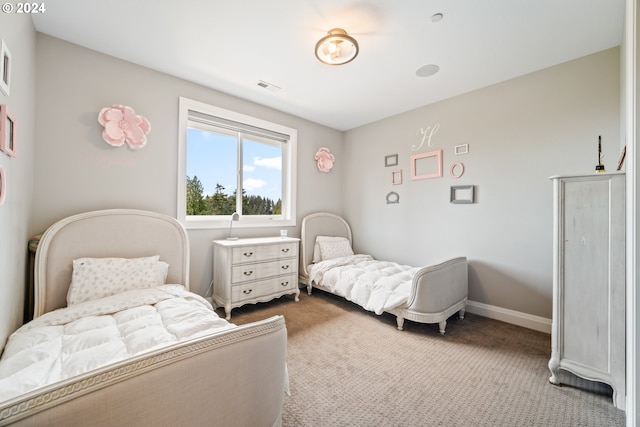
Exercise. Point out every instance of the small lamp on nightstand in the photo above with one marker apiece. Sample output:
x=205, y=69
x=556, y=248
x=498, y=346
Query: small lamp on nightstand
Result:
x=234, y=217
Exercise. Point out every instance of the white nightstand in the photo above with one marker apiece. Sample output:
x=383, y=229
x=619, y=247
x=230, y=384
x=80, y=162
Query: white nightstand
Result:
x=254, y=270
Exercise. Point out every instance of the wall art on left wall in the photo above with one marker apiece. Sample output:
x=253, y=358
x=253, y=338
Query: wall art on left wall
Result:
x=8, y=128
x=3, y=185
x=5, y=68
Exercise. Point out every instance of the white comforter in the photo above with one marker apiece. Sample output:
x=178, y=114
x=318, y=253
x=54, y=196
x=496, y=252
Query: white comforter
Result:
x=377, y=286
x=76, y=339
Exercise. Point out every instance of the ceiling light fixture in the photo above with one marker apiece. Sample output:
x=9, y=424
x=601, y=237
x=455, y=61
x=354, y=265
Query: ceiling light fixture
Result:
x=336, y=48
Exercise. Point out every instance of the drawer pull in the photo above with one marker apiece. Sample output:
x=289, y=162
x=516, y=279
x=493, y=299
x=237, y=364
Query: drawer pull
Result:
x=248, y=273
x=248, y=254
x=285, y=267
x=285, y=250
x=284, y=283
x=247, y=291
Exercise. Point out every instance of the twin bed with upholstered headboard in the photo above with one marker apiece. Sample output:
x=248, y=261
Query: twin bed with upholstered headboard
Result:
x=428, y=294
x=118, y=339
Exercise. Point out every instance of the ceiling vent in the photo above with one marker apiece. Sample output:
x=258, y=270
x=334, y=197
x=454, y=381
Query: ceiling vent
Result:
x=270, y=86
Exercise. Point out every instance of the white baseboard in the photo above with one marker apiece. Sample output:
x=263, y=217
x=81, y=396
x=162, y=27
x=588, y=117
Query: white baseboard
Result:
x=525, y=320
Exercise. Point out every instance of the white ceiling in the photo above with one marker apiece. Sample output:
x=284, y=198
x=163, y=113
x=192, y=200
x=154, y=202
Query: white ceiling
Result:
x=231, y=45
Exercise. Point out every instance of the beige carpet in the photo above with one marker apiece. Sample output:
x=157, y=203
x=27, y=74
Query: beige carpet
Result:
x=349, y=367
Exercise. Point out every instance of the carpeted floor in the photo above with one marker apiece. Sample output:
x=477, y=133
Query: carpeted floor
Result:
x=349, y=367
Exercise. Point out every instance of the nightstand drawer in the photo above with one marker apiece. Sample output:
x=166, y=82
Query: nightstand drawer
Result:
x=247, y=254
x=245, y=292
x=244, y=273
x=249, y=291
x=288, y=250
x=285, y=283
x=244, y=254
x=288, y=266
x=262, y=270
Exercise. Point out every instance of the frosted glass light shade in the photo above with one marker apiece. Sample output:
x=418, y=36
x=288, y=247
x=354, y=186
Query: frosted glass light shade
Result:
x=336, y=48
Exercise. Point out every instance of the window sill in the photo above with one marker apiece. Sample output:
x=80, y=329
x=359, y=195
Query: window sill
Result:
x=195, y=224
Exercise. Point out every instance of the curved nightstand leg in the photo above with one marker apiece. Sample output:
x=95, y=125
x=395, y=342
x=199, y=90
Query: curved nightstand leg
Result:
x=461, y=313
x=227, y=310
x=442, y=326
x=296, y=296
x=400, y=322
x=554, y=368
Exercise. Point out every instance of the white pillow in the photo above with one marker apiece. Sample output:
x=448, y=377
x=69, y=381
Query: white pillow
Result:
x=330, y=249
x=95, y=278
x=317, y=257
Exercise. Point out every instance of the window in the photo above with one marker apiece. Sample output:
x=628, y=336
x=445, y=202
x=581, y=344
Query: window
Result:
x=230, y=162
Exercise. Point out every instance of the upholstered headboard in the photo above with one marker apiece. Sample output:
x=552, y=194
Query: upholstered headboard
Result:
x=124, y=233
x=319, y=224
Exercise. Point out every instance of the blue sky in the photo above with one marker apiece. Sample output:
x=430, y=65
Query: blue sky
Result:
x=213, y=158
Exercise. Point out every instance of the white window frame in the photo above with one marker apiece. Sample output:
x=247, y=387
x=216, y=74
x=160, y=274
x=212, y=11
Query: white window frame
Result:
x=289, y=171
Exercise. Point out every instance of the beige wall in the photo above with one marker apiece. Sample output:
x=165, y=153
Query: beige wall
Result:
x=18, y=33
x=77, y=171
x=519, y=132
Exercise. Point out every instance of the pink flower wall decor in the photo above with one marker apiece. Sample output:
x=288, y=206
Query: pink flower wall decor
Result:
x=122, y=124
x=324, y=159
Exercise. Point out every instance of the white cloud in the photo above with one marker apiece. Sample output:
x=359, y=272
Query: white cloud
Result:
x=251, y=184
x=248, y=168
x=272, y=162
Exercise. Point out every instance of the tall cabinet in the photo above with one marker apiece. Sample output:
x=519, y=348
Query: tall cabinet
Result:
x=588, y=329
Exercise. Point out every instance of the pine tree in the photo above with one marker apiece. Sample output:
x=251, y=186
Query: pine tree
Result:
x=195, y=198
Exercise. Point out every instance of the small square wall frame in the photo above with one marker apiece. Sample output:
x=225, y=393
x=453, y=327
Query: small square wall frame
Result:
x=426, y=165
x=462, y=194
x=391, y=160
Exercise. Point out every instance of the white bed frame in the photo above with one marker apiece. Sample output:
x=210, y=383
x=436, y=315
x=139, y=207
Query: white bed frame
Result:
x=206, y=381
x=438, y=291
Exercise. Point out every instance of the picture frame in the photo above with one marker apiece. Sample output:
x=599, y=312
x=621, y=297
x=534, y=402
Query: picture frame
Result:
x=3, y=185
x=8, y=129
x=396, y=177
x=391, y=160
x=461, y=149
x=462, y=194
x=457, y=169
x=393, y=198
x=5, y=68
x=426, y=165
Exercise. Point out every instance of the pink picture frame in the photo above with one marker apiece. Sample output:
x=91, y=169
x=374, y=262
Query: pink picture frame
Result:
x=426, y=165
x=8, y=129
x=396, y=177
x=3, y=185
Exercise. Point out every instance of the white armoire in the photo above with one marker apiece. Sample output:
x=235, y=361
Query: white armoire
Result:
x=588, y=328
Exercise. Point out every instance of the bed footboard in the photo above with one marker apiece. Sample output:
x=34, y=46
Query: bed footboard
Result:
x=235, y=378
x=438, y=291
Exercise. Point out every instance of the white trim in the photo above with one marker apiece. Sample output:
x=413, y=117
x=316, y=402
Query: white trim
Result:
x=289, y=160
x=537, y=323
x=631, y=133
